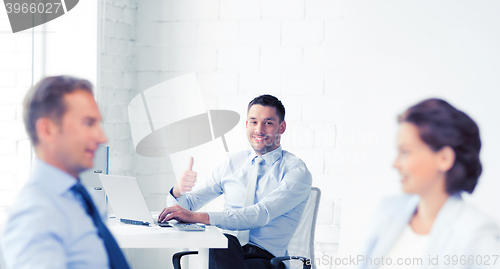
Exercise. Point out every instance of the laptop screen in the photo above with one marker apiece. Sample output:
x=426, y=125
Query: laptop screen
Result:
x=126, y=199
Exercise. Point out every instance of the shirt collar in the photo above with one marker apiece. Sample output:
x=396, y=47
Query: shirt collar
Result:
x=50, y=178
x=270, y=157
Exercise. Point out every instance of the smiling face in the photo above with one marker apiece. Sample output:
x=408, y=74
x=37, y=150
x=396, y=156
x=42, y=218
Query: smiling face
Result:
x=70, y=145
x=422, y=169
x=264, y=129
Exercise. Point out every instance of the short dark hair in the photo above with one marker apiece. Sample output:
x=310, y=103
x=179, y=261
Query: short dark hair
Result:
x=269, y=100
x=439, y=125
x=45, y=99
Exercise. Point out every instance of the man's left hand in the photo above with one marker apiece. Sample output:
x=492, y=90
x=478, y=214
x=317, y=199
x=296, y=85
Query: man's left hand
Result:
x=181, y=214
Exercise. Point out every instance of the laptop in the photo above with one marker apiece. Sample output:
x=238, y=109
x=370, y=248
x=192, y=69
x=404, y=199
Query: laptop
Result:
x=126, y=199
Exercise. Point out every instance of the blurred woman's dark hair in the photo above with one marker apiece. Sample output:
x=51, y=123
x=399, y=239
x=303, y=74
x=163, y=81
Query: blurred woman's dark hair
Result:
x=440, y=125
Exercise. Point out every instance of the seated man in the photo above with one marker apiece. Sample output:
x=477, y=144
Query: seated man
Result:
x=266, y=190
x=53, y=223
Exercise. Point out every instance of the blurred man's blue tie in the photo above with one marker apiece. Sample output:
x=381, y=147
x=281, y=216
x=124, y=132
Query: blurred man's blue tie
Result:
x=116, y=258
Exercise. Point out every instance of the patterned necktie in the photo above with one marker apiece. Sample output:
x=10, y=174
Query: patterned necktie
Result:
x=115, y=255
x=244, y=236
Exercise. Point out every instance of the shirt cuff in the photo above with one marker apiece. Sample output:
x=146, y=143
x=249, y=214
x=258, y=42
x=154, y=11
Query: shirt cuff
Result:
x=217, y=219
x=171, y=200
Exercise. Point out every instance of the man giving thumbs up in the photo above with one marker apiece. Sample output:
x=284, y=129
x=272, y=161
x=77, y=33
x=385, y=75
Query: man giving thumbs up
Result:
x=184, y=184
x=266, y=189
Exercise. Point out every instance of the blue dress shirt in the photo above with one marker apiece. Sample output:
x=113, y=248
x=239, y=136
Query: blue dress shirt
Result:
x=283, y=187
x=48, y=227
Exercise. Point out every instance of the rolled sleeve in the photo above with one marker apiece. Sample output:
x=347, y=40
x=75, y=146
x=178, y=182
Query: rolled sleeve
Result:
x=216, y=218
x=203, y=192
x=181, y=200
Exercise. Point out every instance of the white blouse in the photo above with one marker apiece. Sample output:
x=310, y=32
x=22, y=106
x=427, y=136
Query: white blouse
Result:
x=408, y=250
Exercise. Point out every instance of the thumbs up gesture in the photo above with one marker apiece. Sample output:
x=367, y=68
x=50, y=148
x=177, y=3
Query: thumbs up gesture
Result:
x=186, y=182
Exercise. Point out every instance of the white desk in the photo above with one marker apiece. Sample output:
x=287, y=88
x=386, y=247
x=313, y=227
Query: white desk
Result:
x=134, y=236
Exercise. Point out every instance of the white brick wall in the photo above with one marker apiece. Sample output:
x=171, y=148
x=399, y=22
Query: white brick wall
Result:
x=321, y=57
x=281, y=58
x=117, y=68
x=325, y=109
x=186, y=59
x=177, y=10
x=197, y=33
x=260, y=33
x=238, y=58
x=256, y=82
x=219, y=83
x=323, y=9
x=283, y=9
x=303, y=32
x=296, y=82
x=241, y=9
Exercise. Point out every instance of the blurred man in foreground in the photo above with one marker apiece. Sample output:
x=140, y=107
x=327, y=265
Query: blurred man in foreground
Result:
x=53, y=223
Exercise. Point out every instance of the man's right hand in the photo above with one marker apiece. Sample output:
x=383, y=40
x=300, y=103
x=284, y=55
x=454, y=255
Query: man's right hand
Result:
x=186, y=182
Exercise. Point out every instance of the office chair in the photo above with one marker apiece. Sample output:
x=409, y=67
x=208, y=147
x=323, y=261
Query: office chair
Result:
x=301, y=246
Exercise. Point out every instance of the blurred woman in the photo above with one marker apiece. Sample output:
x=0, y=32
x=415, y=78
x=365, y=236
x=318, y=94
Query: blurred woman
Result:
x=430, y=226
